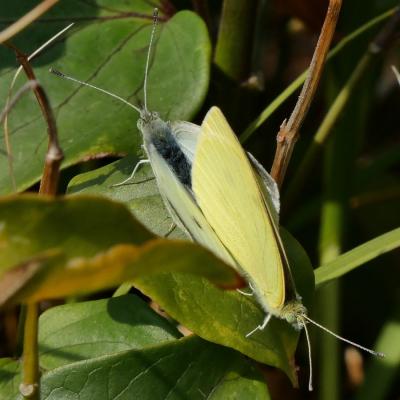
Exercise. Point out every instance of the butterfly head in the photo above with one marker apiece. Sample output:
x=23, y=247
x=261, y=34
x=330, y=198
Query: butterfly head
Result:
x=293, y=313
x=147, y=119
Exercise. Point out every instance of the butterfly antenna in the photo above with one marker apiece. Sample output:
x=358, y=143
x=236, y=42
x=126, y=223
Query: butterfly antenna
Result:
x=70, y=78
x=375, y=353
x=310, y=381
x=146, y=71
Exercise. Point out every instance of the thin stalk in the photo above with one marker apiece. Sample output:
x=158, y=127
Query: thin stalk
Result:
x=329, y=360
x=330, y=247
x=54, y=154
x=26, y=20
x=289, y=130
x=29, y=388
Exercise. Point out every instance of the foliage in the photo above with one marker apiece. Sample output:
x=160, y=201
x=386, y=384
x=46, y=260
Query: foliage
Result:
x=72, y=251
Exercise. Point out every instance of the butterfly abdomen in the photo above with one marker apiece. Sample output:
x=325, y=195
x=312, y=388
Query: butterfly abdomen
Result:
x=158, y=134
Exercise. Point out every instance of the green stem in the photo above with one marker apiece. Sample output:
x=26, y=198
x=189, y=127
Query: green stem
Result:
x=328, y=296
x=29, y=387
x=233, y=50
x=329, y=306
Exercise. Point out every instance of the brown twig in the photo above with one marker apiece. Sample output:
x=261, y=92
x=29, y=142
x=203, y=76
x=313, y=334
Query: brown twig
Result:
x=289, y=130
x=11, y=102
x=54, y=155
x=30, y=85
x=5, y=125
x=26, y=20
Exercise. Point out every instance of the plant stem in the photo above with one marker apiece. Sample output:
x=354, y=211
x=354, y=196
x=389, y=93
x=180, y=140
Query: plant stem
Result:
x=29, y=387
x=330, y=247
x=289, y=131
x=233, y=49
x=26, y=20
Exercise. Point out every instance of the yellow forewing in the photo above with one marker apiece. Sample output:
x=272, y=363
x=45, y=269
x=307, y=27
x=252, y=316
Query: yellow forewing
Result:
x=228, y=194
x=183, y=209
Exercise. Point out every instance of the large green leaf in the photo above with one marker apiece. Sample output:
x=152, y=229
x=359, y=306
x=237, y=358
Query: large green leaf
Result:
x=79, y=331
x=61, y=247
x=186, y=369
x=189, y=368
x=129, y=349
x=79, y=226
x=107, y=47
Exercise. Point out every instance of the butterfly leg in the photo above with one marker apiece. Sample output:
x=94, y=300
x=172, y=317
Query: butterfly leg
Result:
x=141, y=162
x=262, y=326
x=246, y=294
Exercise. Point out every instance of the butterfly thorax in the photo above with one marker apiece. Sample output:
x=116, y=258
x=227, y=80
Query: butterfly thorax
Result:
x=158, y=135
x=292, y=312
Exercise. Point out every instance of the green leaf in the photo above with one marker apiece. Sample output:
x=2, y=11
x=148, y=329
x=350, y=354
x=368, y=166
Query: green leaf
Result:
x=79, y=331
x=357, y=257
x=225, y=317
x=141, y=196
x=54, y=248
x=189, y=368
x=10, y=378
x=107, y=47
x=79, y=226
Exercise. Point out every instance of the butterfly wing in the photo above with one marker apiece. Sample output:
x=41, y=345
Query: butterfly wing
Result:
x=186, y=135
x=182, y=207
x=268, y=186
x=227, y=191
